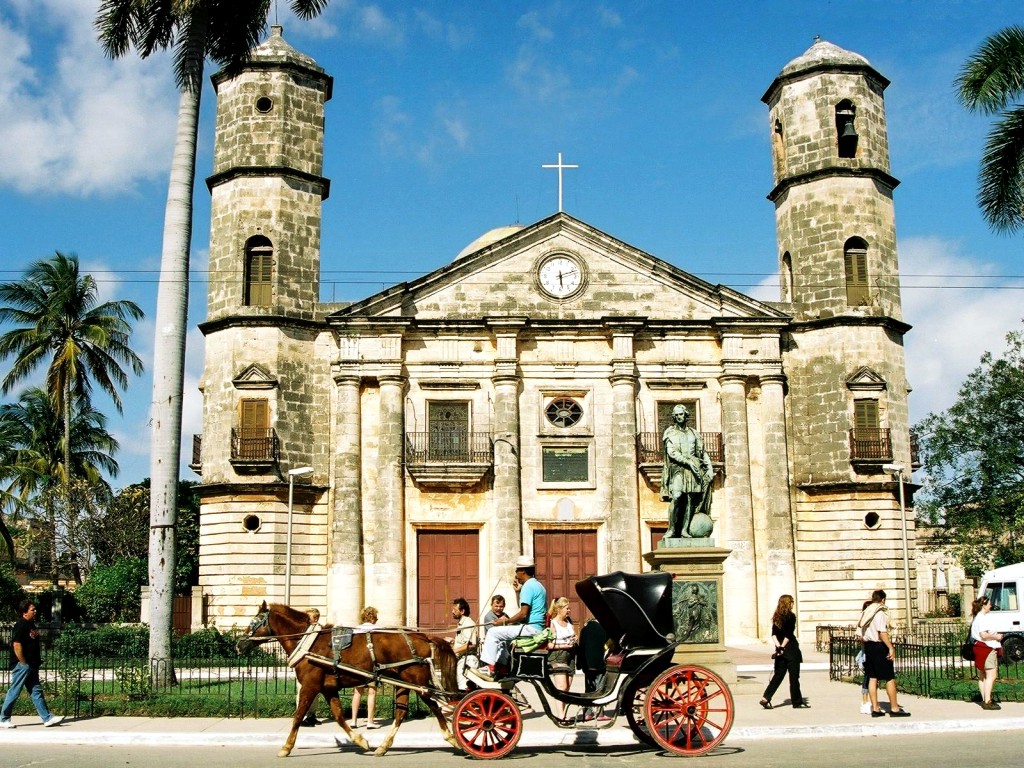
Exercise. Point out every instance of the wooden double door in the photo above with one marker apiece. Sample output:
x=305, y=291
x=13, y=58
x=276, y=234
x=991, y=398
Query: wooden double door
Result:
x=448, y=566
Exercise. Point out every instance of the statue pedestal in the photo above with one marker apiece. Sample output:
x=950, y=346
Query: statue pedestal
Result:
x=698, y=604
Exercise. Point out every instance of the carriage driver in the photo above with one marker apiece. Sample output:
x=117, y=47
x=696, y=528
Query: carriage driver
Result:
x=533, y=601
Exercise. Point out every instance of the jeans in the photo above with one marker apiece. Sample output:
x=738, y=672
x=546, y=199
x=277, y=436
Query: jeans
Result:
x=23, y=676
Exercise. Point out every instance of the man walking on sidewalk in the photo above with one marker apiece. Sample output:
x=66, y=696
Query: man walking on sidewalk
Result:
x=879, y=655
x=26, y=659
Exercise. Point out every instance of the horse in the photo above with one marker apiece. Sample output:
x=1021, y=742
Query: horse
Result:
x=394, y=655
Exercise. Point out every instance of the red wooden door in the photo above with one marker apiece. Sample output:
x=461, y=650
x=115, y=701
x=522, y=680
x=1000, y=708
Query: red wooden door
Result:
x=448, y=566
x=563, y=558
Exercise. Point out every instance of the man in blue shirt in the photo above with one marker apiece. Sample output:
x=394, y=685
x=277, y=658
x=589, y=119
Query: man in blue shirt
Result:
x=528, y=620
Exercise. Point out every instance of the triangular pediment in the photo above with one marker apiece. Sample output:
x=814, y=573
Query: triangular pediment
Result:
x=254, y=376
x=508, y=278
x=865, y=379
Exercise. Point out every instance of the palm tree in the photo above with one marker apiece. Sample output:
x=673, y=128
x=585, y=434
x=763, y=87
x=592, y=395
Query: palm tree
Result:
x=992, y=82
x=224, y=31
x=36, y=456
x=61, y=324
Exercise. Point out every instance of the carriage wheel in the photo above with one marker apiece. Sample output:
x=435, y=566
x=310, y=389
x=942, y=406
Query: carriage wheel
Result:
x=634, y=703
x=487, y=724
x=689, y=710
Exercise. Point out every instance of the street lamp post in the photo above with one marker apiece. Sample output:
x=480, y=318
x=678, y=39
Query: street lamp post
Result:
x=897, y=472
x=292, y=474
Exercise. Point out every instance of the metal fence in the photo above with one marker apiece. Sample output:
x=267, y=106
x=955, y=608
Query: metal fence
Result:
x=927, y=661
x=257, y=685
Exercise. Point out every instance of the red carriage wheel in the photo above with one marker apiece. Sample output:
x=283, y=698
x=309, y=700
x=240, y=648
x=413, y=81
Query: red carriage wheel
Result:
x=689, y=710
x=487, y=724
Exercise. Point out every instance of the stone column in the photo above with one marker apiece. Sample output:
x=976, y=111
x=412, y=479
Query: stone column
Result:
x=740, y=579
x=505, y=529
x=385, y=588
x=781, y=564
x=345, y=569
x=624, y=519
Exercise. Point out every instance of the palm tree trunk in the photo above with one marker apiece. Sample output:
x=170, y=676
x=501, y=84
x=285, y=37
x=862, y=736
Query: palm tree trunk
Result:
x=168, y=385
x=66, y=482
x=67, y=434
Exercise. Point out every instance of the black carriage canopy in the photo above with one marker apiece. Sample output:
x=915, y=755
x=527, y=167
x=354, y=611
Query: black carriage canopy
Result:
x=634, y=608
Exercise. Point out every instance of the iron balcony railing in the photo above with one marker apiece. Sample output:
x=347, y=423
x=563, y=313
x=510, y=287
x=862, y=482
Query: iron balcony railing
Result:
x=254, y=446
x=448, y=447
x=870, y=445
x=649, y=448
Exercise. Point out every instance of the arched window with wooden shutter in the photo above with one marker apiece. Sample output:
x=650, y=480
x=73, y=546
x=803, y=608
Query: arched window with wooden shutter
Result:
x=855, y=256
x=259, y=270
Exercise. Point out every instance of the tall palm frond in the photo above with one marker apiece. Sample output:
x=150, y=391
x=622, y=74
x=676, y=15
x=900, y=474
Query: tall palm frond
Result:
x=992, y=82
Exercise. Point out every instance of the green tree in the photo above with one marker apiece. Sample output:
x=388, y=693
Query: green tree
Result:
x=974, y=460
x=11, y=593
x=121, y=531
x=992, y=82
x=112, y=592
x=34, y=456
x=60, y=323
x=224, y=31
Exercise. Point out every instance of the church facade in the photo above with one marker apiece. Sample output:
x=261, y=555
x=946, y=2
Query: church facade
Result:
x=405, y=449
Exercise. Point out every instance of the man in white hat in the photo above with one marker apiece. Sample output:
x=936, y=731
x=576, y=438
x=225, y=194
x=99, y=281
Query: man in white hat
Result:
x=528, y=620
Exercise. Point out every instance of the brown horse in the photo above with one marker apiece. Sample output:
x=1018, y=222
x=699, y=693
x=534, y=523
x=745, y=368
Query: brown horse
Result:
x=397, y=656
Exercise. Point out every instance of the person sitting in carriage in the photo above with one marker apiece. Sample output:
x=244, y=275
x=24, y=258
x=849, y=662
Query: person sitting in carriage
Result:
x=533, y=599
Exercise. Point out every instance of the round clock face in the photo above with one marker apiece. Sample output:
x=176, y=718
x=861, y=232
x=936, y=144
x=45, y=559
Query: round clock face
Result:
x=560, y=276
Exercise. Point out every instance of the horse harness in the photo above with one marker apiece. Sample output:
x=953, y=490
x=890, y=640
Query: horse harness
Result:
x=341, y=639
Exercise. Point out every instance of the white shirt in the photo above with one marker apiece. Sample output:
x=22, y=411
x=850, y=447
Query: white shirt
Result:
x=984, y=622
x=565, y=634
x=878, y=624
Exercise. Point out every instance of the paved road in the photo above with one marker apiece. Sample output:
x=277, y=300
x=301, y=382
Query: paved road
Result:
x=948, y=750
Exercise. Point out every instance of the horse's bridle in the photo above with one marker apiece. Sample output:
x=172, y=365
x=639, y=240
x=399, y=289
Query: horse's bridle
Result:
x=262, y=619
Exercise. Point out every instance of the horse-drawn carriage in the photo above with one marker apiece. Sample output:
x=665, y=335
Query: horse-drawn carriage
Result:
x=684, y=709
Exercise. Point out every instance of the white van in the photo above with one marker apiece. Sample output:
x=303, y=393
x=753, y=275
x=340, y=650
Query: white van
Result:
x=1004, y=588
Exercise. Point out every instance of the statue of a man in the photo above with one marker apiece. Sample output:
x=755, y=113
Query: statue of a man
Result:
x=686, y=474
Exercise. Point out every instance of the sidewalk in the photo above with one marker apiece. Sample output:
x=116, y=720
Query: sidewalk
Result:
x=835, y=711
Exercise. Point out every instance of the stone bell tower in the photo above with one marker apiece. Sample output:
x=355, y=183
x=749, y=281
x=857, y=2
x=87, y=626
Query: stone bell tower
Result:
x=266, y=185
x=844, y=356
x=261, y=398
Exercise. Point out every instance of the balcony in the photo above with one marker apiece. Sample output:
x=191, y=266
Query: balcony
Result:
x=196, y=465
x=254, y=449
x=650, y=453
x=449, y=459
x=915, y=451
x=869, y=447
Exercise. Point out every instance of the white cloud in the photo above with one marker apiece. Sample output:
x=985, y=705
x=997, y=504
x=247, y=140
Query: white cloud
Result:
x=609, y=18
x=535, y=79
x=954, y=320
x=953, y=326
x=457, y=131
x=375, y=24
x=79, y=124
x=532, y=23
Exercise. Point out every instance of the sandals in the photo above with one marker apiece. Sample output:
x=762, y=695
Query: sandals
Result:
x=802, y=705
x=765, y=703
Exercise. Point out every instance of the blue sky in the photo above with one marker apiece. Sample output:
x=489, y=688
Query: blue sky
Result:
x=444, y=112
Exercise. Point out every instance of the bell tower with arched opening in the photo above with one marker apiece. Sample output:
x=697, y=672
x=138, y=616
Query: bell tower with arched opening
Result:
x=843, y=355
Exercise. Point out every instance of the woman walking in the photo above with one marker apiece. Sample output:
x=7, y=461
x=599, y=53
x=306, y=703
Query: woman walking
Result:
x=787, y=655
x=987, y=647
